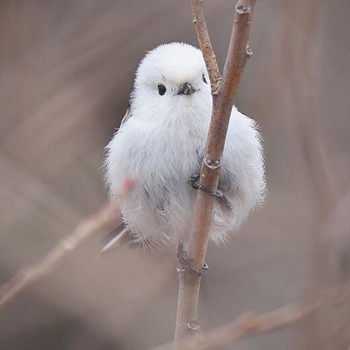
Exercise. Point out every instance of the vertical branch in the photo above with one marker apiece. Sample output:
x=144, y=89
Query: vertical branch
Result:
x=205, y=45
x=187, y=312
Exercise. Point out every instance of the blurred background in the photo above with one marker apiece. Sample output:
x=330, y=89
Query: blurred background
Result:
x=66, y=69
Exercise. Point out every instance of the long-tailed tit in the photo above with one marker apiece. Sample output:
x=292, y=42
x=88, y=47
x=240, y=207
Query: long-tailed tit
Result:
x=160, y=145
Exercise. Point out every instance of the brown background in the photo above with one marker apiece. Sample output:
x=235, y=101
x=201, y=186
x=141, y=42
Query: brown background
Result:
x=66, y=69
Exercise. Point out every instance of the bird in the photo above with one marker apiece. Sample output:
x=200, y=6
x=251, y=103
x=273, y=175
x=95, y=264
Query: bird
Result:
x=160, y=146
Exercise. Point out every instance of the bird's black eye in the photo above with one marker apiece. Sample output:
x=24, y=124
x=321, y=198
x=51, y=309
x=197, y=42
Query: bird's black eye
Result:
x=161, y=89
x=203, y=78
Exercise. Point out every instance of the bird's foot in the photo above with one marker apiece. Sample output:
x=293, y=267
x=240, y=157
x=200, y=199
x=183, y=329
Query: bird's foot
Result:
x=196, y=184
x=194, y=181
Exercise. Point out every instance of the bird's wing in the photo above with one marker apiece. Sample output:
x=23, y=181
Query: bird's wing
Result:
x=122, y=234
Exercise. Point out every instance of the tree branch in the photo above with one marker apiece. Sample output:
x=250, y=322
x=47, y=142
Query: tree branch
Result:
x=106, y=218
x=205, y=45
x=187, y=313
x=249, y=324
x=222, y=106
x=253, y=323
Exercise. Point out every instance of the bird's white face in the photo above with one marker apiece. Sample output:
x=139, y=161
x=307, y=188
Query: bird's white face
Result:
x=171, y=76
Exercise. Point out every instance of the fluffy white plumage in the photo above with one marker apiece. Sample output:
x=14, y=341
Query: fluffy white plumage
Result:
x=161, y=144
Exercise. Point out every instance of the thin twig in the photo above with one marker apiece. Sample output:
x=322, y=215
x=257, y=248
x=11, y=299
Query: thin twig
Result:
x=253, y=323
x=187, y=311
x=205, y=45
x=107, y=218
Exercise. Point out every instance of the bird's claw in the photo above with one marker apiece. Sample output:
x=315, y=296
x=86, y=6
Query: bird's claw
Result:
x=194, y=181
x=196, y=184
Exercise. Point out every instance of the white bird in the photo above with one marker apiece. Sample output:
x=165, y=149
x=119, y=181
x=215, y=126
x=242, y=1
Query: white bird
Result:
x=160, y=146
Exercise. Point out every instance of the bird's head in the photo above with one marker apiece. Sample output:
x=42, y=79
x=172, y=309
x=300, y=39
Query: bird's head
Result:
x=171, y=74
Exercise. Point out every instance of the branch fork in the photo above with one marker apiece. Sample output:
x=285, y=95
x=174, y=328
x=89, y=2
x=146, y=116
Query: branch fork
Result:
x=224, y=91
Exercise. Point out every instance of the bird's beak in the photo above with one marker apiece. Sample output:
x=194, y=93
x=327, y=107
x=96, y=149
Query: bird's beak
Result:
x=186, y=89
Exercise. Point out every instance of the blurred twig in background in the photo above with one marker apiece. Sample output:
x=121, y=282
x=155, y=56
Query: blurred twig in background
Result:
x=107, y=218
x=301, y=76
x=252, y=323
